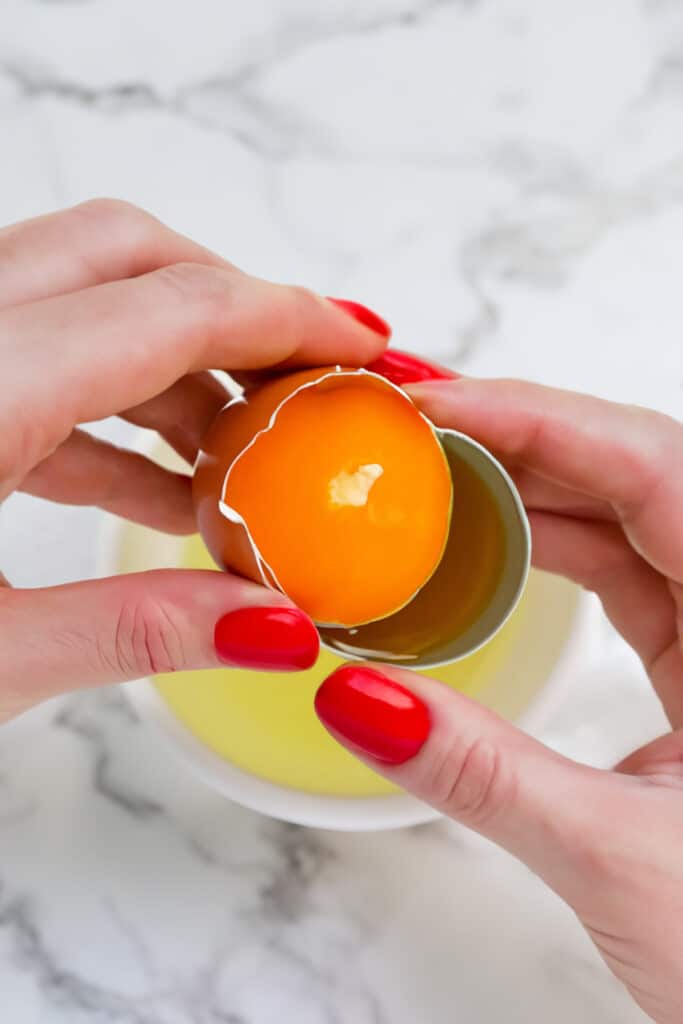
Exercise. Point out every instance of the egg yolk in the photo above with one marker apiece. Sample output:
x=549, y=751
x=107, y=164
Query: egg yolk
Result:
x=347, y=496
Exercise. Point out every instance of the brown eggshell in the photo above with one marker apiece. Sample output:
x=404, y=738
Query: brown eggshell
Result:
x=230, y=433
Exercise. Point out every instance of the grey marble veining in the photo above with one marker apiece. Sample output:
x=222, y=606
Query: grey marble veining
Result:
x=502, y=180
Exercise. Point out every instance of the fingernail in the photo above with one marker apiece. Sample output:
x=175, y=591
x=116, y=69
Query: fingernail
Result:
x=364, y=316
x=283, y=639
x=375, y=715
x=405, y=368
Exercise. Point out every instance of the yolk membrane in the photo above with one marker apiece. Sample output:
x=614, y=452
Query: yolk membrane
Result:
x=347, y=496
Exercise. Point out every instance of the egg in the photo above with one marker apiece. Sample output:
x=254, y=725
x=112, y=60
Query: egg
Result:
x=331, y=486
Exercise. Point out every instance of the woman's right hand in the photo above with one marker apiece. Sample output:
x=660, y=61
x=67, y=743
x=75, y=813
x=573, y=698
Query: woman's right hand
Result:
x=104, y=311
x=603, y=485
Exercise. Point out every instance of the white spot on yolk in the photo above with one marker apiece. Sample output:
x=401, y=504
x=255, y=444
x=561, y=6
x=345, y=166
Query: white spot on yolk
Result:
x=353, y=489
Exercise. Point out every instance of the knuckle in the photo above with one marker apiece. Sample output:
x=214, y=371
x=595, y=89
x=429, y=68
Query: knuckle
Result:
x=668, y=435
x=205, y=289
x=646, y=454
x=617, y=561
x=146, y=640
x=128, y=230
x=304, y=305
x=304, y=298
x=472, y=782
x=104, y=212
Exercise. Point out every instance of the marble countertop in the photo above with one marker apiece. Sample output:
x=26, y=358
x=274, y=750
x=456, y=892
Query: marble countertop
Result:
x=504, y=182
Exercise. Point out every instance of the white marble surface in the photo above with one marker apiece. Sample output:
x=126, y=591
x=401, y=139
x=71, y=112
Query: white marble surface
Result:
x=503, y=181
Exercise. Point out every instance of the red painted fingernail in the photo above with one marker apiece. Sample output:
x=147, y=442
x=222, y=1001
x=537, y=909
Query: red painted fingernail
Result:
x=405, y=368
x=267, y=638
x=364, y=316
x=374, y=714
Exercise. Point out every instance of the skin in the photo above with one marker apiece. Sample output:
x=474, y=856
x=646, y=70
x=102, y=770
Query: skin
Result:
x=603, y=484
x=104, y=311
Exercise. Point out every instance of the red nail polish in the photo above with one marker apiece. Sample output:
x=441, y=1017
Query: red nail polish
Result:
x=267, y=638
x=405, y=368
x=364, y=316
x=374, y=714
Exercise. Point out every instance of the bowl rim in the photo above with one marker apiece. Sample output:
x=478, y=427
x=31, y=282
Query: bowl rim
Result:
x=358, y=813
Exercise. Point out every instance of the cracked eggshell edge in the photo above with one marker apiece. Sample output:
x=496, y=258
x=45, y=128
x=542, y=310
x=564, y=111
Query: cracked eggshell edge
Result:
x=231, y=514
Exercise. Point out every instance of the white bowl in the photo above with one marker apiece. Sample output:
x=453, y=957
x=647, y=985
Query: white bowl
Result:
x=546, y=652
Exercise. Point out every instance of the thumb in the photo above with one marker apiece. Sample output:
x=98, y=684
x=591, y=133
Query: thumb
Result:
x=105, y=631
x=473, y=766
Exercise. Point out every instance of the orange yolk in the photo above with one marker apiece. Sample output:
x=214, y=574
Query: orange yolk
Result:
x=347, y=496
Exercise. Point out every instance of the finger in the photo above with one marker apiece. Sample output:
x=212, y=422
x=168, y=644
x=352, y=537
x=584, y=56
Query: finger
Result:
x=97, y=241
x=115, y=346
x=183, y=413
x=105, y=631
x=403, y=368
x=627, y=456
x=87, y=471
x=394, y=365
x=660, y=759
x=542, y=495
x=407, y=368
x=636, y=598
x=471, y=765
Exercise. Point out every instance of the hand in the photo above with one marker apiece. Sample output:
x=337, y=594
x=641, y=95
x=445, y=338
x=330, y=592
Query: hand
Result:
x=603, y=485
x=104, y=311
